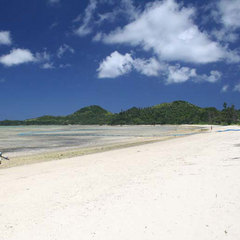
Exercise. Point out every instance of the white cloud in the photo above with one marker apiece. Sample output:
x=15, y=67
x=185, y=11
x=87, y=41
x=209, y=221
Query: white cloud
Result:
x=126, y=8
x=177, y=74
x=232, y=56
x=63, y=49
x=129, y=9
x=118, y=64
x=230, y=13
x=91, y=18
x=16, y=57
x=149, y=67
x=212, y=78
x=97, y=37
x=237, y=87
x=44, y=59
x=48, y=65
x=224, y=35
x=215, y=76
x=227, y=14
x=86, y=27
x=42, y=56
x=19, y=56
x=5, y=38
x=169, y=31
x=115, y=65
x=225, y=88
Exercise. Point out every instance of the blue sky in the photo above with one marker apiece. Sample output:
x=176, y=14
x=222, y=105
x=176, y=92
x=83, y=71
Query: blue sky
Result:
x=57, y=56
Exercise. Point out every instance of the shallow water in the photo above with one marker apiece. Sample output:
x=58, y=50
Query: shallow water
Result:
x=33, y=138
x=230, y=130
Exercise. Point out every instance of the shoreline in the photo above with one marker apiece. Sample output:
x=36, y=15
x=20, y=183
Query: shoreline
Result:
x=184, y=188
x=27, y=158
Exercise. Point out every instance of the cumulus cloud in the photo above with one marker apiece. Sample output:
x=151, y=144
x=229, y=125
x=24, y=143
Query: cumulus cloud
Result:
x=237, y=87
x=63, y=49
x=177, y=74
x=168, y=30
x=20, y=56
x=115, y=65
x=16, y=57
x=212, y=78
x=118, y=64
x=5, y=38
x=148, y=67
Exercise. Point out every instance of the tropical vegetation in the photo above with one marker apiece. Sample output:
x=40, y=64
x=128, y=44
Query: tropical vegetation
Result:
x=177, y=112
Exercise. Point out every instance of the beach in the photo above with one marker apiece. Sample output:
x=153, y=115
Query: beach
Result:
x=32, y=144
x=181, y=188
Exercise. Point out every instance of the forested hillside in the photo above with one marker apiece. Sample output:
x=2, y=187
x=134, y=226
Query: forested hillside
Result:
x=177, y=112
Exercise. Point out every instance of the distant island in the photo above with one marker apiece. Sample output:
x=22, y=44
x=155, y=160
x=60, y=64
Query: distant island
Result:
x=177, y=112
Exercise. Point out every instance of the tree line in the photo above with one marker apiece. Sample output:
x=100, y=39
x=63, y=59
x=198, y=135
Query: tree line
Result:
x=177, y=112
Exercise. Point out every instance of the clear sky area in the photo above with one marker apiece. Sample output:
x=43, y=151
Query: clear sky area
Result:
x=57, y=56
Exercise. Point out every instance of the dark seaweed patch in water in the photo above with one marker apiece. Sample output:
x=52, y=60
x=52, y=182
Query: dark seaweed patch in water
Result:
x=49, y=144
x=91, y=135
x=19, y=149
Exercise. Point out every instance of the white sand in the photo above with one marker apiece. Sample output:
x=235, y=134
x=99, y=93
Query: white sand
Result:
x=185, y=189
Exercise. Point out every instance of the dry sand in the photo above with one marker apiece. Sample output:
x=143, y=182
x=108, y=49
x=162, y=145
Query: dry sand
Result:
x=185, y=188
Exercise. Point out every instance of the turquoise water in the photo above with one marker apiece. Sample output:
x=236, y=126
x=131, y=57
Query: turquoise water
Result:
x=230, y=130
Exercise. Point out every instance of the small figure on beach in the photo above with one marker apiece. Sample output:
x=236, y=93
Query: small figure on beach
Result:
x=2, y=157
x=211, y=128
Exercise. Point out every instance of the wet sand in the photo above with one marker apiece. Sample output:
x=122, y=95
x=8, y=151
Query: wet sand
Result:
x=184, y=188
x=28, y=145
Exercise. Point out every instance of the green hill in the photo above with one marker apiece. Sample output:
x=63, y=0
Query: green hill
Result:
x=90, y=115
x=87, y=115
x=177, y=112
x=45, y=120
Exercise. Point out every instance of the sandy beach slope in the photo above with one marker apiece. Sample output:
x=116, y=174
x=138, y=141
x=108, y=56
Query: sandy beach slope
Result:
x=185, y=188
